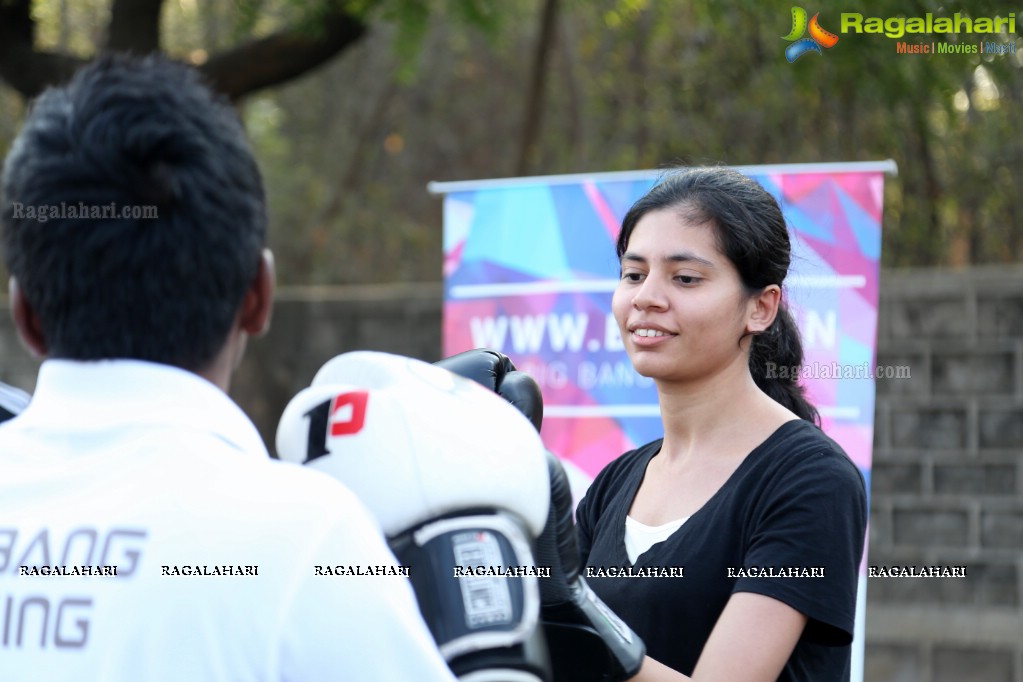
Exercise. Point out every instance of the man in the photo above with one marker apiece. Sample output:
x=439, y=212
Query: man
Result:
x=144, y=532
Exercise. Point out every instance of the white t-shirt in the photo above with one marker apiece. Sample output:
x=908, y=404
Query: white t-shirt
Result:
x=155, y=471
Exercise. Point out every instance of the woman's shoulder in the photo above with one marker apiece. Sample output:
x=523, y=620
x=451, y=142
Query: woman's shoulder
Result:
x=801, y=448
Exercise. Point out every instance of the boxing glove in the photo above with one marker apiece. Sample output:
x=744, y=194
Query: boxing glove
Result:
x=459, y=506
x=495, y=371
x=586, y=640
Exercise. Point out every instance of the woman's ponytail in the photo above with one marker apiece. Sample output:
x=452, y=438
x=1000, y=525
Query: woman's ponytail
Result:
x=776, y=360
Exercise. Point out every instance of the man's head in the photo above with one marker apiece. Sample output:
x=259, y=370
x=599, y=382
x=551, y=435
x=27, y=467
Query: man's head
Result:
x=123, y=140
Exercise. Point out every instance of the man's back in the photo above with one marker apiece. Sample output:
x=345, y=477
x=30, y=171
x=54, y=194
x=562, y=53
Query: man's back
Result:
x=144, y=532
x=199, y=554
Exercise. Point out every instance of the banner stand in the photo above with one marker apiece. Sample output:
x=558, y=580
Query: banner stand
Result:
x=530, y=268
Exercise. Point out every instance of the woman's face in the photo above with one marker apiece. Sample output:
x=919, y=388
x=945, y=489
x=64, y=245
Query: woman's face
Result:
x=680, y=304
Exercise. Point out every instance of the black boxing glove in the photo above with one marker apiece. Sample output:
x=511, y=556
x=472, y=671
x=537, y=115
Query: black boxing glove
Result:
x=586, y=639
x=496, y=371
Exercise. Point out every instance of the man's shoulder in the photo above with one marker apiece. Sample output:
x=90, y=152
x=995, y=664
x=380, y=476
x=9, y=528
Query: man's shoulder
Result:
x=308, y=487
x=217, y=481
x=297, y=490
x=268, y=503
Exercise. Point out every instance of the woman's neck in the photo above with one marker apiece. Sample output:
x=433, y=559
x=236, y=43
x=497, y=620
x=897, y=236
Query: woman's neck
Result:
x=716, y=414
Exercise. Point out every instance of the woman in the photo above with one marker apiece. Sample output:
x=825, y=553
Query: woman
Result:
x=765, y=512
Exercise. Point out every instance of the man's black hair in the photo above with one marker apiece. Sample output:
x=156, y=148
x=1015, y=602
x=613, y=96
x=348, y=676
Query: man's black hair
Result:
x=133, y=136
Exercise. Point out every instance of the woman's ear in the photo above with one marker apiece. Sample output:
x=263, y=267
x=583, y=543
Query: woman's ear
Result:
x=26, y=321
x=763, y=309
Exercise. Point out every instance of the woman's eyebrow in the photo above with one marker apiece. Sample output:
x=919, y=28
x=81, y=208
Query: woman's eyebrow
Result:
x=680, y=257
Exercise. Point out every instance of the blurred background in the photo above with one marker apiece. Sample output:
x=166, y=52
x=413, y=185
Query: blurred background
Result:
x=353, y=107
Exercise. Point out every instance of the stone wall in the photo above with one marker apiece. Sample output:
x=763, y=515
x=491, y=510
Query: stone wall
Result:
x=948, y=460
x=948, y=478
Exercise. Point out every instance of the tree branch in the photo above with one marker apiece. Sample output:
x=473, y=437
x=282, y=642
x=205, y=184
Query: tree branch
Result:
x=135, y=26
x=24, y=69
x=279, y=57
x=537, y=83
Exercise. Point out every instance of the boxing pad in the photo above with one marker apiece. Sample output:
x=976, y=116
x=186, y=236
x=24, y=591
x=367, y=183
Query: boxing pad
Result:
x=586, y=640
x=457, y=478
x=495, y=371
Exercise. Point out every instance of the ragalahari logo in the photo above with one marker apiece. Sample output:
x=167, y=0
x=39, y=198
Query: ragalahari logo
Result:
x=818, y=36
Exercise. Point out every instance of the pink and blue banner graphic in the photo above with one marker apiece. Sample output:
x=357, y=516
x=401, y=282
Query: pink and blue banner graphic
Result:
x=530, y=268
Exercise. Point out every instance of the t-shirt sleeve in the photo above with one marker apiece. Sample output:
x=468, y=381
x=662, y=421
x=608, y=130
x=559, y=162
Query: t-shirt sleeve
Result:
x=812, y=519
x=354, y=627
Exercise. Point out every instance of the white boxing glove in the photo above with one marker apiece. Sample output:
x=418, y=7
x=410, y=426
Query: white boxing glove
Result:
x=458, y=479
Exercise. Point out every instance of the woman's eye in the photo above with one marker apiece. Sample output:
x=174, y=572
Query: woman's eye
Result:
x=688, y=279
x=632, y=276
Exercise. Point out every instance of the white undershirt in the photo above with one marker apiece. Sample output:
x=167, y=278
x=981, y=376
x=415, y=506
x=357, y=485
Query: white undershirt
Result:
x=640, y=537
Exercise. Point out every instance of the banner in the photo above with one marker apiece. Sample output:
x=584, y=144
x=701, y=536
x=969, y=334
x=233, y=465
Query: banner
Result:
x=530, y=269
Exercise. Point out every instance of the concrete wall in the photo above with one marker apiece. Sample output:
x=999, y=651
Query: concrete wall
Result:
x=948, y=478
x=948, y=460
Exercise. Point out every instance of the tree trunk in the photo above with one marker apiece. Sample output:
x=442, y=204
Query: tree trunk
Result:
x=534, y=103
x=134, y=26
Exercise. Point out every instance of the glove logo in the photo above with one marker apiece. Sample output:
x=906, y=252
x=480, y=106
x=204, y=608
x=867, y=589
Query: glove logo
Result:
x=342, y=415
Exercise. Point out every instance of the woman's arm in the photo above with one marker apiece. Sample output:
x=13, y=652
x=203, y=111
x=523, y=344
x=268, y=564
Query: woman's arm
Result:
x=751, y=641
x=652, y=671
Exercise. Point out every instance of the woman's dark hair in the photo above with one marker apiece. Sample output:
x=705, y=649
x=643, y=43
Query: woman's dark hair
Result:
x=752, y=233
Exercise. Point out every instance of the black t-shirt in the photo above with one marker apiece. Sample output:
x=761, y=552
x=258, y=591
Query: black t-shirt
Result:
x=796, y=507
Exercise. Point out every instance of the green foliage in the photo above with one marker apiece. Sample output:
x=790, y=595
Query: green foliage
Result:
x=247, y=14
x=412, y=21
x=654, y=83
x=437, y=90
x=70, y=26
x=412, y=18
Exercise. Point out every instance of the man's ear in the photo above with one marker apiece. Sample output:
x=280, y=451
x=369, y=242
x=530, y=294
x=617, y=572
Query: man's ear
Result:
x=764, y=308
x=254, y=317
x=26, y=321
